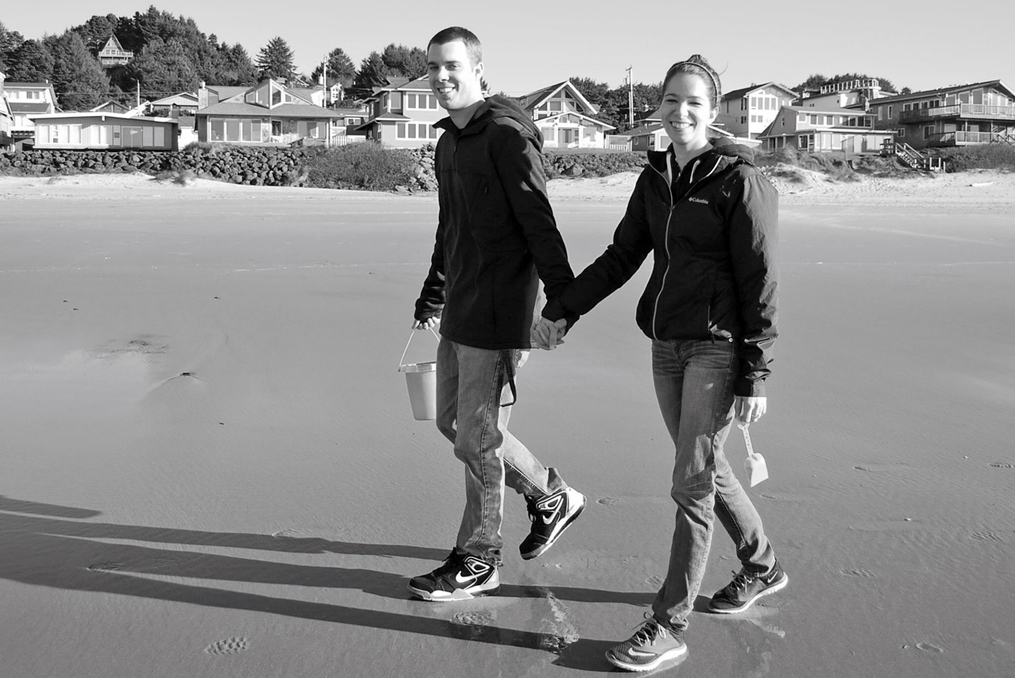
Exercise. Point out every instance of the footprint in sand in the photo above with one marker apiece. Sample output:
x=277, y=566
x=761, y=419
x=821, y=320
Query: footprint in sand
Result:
x=857, y=572
x=607, y=501
x=106, y=567
x=227, y=646
x=929, y=647
x=476, y=618
x=986, y=536
x=655, y=581
x=1002, y=464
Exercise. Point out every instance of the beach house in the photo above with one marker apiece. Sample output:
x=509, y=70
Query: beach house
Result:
x=565, y=117
x=401, y=114
x=959, y=115
x=113, y=53
x=746, y=112
x=104, y=131
x=817, y=131
x=27, y=99
x=269, y=113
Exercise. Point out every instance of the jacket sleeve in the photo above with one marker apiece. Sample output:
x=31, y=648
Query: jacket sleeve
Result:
x=519, y=165
x=430, y=303
x=632, y=242
x=753, y=244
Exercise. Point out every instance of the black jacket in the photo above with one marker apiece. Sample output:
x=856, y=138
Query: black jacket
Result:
x=713, y=233
x=496, y=235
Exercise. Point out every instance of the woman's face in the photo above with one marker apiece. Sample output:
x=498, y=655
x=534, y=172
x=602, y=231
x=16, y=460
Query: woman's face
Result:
x=687, y=111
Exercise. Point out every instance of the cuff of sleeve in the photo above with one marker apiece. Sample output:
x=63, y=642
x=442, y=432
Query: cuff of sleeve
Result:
x=746, y=388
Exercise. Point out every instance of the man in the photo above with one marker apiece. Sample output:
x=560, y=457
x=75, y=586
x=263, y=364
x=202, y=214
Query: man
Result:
x=496, y=238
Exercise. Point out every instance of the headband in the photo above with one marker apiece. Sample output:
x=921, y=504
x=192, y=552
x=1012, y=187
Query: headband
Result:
x=708, y=70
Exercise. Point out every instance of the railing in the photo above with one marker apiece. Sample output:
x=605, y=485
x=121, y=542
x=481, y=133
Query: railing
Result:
x=959, y=110
x=911, y=156
x=961, y=137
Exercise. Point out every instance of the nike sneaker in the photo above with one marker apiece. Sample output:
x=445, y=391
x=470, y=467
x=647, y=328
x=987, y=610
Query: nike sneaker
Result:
x=461, y=577
x=550, y=516
x=746, y=588
x=652, y=645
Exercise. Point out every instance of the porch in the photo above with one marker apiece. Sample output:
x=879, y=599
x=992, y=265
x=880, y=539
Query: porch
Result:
x=960, y=111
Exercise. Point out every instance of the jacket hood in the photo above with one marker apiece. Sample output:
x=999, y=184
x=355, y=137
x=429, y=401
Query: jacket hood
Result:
x=722, y=150
x=498, y=106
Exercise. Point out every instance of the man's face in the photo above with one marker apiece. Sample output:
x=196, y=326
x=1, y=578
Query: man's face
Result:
x=454, y=79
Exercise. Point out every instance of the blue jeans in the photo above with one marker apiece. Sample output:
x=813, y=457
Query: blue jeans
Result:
x=472, y=385
x=694, y=386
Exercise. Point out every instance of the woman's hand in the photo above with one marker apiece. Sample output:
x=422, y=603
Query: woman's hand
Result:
x=547, y=335
x=749, y=410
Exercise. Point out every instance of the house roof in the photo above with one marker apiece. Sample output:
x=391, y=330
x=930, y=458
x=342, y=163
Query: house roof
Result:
x=181, y=99
x=112, y=43
x=99, y=114
x=534, y=99
x=743, y=91
x=600, y=123
x=12, y=84
x=856, y=112
x=227, y=91
x=942, y=91
x=283, y=111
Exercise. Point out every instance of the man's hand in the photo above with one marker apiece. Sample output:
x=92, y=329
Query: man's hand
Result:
x=428, y=324
x=546, y=334
x=749, y=410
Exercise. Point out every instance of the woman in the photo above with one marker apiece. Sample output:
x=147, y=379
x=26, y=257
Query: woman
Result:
x=709, y=218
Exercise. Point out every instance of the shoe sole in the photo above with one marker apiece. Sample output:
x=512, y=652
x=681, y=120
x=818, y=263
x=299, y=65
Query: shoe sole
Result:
x=456, y=595
x=664, y=657
x=733, y=610
x=567, y=523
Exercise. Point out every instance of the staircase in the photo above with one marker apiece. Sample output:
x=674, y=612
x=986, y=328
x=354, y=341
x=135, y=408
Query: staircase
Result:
x=912, y=157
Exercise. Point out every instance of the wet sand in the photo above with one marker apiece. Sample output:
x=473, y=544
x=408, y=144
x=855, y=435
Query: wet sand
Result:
x=210, y=467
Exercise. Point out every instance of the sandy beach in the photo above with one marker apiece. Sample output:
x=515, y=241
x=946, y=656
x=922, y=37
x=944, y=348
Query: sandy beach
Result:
x=210, y=468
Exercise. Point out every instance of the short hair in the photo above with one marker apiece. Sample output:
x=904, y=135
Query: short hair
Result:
x=456, y=33
x=697, y=65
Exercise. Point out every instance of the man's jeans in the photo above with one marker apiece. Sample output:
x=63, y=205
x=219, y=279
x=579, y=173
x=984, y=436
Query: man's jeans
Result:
x=472, y=383
x=694, y=386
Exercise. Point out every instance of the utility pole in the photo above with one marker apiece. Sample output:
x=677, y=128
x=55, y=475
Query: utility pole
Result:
x=630, y=95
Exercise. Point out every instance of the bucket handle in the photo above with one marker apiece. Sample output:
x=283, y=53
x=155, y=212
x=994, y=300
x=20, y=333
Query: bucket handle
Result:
x=401, y=361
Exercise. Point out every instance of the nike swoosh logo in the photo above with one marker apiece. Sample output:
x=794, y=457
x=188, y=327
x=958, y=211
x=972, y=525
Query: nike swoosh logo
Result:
x=638, y=653
x=465, y=580
x=549, y=519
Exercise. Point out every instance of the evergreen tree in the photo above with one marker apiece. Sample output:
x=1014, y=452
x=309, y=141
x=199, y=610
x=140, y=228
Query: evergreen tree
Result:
x=9, y=43
x=163, y=69
x=340, y=68
x=275, y=60
x=234, y=67
x=405, y=62
x=372, y=73
x=32, y=61
x=96, y=31
x=78, y=79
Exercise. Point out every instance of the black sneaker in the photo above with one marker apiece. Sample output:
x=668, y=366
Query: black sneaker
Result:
x=550, y=516
x=461, y=577
x=652, y=645
x=746, y=588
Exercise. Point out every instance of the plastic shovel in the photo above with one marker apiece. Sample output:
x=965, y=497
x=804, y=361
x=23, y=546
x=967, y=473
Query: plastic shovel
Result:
x=755, y=465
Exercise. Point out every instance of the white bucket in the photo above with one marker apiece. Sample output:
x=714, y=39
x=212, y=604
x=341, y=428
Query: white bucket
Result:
x=421, y=380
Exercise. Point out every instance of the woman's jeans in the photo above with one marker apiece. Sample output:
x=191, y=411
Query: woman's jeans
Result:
x=472, y=384
x=694, y=386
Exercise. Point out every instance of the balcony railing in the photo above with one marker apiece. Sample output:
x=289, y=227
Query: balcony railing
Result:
x=961, y=138
x=959, y=111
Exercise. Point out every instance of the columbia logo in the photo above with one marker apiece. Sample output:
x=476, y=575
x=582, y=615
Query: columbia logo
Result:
x=698, y=200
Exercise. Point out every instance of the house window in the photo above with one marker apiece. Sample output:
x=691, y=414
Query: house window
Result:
x=743, y=120
x=218, y=130
x=754, y=102
x=802, y=142
x=890, y=112
x=232, y=130
x=276, y=97
x=901, y=132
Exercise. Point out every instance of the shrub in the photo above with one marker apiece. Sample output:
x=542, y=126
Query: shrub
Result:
x=365, y=165
x=983, y=156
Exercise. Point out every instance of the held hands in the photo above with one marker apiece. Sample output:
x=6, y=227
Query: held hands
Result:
x=749, y=410
x=548, y=334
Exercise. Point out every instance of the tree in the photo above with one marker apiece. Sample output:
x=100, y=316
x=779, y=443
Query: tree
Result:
x=32, y=61
x=816, y=81
x=275, y=60
x=234, y=67
x=96, y=31
x=78, y=79
x=340, y=68
x=9, y=43
x=163, y=69
x=405, y=62
x=372, y=73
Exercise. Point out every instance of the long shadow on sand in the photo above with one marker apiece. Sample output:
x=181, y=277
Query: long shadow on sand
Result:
x=48, y=545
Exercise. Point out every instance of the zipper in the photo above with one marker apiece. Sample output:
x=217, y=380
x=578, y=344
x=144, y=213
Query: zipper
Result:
x=666, y=235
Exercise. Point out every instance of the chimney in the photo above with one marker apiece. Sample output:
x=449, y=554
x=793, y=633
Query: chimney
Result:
x=202, y=96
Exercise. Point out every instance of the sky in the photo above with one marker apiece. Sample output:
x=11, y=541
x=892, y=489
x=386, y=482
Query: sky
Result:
x=531, y=44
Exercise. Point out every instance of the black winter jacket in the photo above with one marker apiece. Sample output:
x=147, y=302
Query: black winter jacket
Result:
x=713, y=233
x=496, y=234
